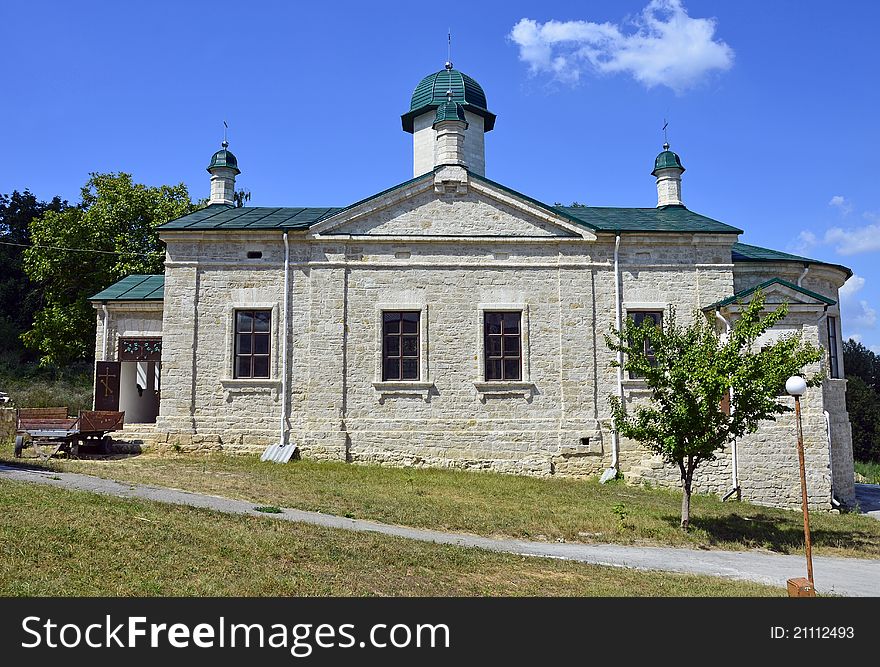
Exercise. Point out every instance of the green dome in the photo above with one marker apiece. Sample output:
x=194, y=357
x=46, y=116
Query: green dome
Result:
x=224, y=158
x=432, y=92
x=666, y=160
x=450, y=111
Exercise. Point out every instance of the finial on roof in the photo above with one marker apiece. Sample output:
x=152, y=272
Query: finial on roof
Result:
x=665, y=145
x=448, y=64
x=225, y=143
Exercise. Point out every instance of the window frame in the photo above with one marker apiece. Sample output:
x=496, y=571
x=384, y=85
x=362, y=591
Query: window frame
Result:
x=644, y=311
x=483, y=385
x=833, y=344
x=401, y=335
x=503, y=356
x=253, y=333
x=425, y=381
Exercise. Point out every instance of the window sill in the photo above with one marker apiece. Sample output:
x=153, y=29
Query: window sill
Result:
x=250, y=382
x=394, y=388
x=239, y=386
x=504, y=388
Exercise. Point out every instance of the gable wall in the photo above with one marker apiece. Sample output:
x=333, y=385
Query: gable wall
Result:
x=446, y=215
x=557, y=423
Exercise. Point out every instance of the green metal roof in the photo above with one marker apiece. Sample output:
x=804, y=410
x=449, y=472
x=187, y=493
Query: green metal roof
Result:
x=222, y=216
x=740, y=296
x=136, y=287
x=449, y=111
x=432, y=92
x=743, y=252
x=662, y=219
x=666, y=160
x=600, y=219
x=224, y=158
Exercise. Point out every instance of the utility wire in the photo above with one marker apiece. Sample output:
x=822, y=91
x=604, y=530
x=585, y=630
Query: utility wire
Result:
x=103, y=252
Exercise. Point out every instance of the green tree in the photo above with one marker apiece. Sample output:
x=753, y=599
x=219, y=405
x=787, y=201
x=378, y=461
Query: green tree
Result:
x=19, y=297
x=80, y=250
x=861, y=362
x=690, y=370
x=863, y=405
x=862, y=368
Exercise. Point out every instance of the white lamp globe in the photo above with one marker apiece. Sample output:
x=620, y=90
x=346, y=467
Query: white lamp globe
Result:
x=796, y=385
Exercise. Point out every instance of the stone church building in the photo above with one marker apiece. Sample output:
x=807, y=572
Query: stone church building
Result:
x=452, y=321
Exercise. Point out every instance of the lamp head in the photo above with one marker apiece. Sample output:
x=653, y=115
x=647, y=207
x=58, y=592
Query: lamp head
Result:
x=796, y=386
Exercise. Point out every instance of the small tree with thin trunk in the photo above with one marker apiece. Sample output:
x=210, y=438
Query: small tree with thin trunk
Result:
x=706, y=389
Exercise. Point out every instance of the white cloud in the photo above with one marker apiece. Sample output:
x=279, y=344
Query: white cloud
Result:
x=853, y=284
x=663, y=47
x=854, y=240
x=846, y=241
x=842, y=204
x=804, y=242
x=856, y=313
x=856, y=337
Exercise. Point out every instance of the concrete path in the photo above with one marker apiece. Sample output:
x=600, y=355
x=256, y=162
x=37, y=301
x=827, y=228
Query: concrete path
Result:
x=868, y=498
x=839, y=576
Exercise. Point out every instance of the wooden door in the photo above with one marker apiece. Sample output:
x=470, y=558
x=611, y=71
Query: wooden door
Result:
x=107, y=385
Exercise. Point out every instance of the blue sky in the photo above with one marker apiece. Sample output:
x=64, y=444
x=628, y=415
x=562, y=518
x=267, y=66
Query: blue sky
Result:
x=773, y=106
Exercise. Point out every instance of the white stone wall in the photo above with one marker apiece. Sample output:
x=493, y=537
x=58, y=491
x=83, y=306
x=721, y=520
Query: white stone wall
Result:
x=669, y=187
x=412, y=254
x=132, y=319
x=824, y=280
x=222, y=185
x=425, y=140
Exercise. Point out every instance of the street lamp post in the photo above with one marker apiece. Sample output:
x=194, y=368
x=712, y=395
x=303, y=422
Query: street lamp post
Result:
x=796, y=386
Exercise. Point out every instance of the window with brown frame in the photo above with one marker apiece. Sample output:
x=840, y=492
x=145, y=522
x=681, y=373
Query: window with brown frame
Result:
x=833, y=359
x=502, y=345
x=640, y=317
x=400, y=345
x=252, y=332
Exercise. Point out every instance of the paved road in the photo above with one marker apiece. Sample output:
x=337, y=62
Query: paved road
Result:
x=840, y=576
x=868, y=497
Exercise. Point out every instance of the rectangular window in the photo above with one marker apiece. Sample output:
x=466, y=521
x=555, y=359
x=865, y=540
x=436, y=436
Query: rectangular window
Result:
x=640, y=317
x=502, y=345
x=832, y=347
x=252, y=332
x=400, y=345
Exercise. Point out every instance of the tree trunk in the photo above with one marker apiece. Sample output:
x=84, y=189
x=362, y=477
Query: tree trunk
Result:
x=687, y=477
x=685, y=505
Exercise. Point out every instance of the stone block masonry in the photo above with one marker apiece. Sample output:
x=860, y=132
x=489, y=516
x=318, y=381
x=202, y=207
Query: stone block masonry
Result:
x=451, y=256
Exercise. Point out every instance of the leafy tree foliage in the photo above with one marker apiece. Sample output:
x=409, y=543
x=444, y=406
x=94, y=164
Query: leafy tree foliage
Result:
x=862, y=368
x=691, y=374
x=19, y=297
x=80, y=250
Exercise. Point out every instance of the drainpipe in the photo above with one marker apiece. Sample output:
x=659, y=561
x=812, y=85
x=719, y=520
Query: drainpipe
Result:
x=106, y=326
x=284, y=335
x=734, y=457
x=615, y=436
x=803, y=275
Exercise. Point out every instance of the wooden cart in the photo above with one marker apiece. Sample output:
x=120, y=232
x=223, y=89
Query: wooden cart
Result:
x=53, y=429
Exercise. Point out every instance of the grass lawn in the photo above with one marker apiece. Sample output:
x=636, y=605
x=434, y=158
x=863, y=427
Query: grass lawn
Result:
x=65, y=543
x=871, y=471
x=493, y=504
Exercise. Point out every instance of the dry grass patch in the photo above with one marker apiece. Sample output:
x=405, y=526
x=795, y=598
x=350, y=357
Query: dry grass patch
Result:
x=64, y=543
x=494, y=504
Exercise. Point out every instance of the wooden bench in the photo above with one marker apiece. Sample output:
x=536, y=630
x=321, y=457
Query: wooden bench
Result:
x=30, y=419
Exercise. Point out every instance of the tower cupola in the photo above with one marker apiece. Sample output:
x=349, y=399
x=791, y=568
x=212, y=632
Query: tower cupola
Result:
x=223, y=170
x=448, y=114
x=668, y=170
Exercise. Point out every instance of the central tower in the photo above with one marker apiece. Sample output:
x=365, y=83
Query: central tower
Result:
x=448, y=117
